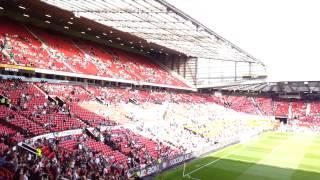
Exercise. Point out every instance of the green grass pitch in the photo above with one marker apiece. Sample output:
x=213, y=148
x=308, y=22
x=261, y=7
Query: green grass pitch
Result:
x=270, y=156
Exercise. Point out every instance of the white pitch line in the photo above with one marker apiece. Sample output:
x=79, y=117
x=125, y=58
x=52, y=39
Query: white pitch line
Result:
x=189, y=177
x=232, y=152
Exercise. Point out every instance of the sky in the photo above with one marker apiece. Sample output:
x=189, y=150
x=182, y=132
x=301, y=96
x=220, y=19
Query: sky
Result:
x=284, y=34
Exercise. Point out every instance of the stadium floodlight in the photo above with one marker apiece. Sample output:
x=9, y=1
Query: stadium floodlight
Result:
x=83, y=32
x=48, y=22
x=98, y=37
x=48, y=15
x=1, y=8
x=69, y=22
x=66, y=27
x=26, y=15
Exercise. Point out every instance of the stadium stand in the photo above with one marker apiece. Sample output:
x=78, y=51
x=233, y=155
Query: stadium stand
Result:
x=264, y=105
x=30, y=46
x=43, y=108
x=241, y=103
x=35, y=109
x=21, y=48
x=314, y=108
x=281, y=108
x=298, y=108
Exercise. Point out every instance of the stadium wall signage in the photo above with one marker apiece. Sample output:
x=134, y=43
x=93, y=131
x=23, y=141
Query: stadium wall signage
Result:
x=160, y=167
x=15, y=68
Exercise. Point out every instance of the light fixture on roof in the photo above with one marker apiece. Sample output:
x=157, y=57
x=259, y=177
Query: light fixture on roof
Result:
x=131, y=42
x=48, y=22
x=148, y=52
x=110, y=40
x=111, y=32
x=89, y=29
x=132, y=47
x=97, y=37
x=66, y=27
x=26, y=15
x=141, y=50
x=167, y=54
x=71, y=18
x=151, y=49
x=83, y=32
x=119, y=38
x=121, y=44
x=160, y=52
x=22, y=7
x=1, y=8
x=141, y=46
x=48, y=15
x=69, y=22
x=161, y=49
x=104, y=34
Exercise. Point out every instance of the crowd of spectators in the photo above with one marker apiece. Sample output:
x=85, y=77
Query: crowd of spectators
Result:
x=19, y=47
x=192, y=127
x=174, y=123
x=68, y=157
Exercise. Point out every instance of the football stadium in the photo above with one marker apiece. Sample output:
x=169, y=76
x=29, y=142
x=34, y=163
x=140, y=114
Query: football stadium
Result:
x=138, y=89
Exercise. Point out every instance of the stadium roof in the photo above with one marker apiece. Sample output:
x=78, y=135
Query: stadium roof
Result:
x=157, y=22
x=273, y=87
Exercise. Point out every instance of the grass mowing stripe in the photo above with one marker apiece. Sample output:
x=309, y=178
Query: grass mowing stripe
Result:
x=311, y=162
x=287, y=161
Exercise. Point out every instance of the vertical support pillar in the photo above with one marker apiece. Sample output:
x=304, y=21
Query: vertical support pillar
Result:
x=235, y=71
